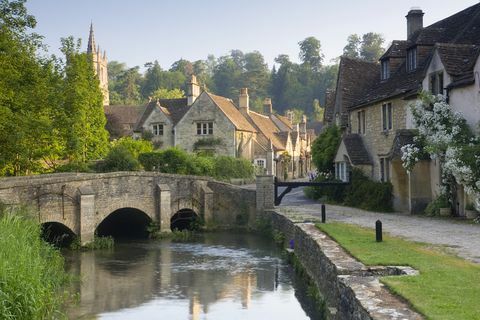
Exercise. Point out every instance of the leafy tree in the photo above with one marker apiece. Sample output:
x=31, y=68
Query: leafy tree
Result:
x=324, y=149
x=310, y=52
x=119, y=158
x=153, y=79
x=168, y=94
x=135, y=147
x=352, y=49
x=371, y=48
x=83, y=106
x=183, y=66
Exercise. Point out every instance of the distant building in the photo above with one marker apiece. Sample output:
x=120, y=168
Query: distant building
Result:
x=100, y=64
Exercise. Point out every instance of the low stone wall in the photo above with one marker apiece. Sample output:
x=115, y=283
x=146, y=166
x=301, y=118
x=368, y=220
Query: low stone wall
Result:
x=347, y=284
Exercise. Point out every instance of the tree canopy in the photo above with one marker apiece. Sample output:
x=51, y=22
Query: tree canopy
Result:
x=368, y=47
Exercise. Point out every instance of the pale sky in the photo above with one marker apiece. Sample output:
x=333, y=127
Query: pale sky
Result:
x=139, y=31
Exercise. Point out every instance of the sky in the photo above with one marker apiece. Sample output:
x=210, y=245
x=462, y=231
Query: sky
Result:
x=140, y=31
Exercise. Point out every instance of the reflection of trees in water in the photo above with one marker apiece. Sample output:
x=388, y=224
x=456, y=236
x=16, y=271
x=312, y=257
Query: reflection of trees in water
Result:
x=133, y=274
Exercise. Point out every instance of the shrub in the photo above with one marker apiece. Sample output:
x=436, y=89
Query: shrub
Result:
x=433, y=208
x=119, y=159
x=135, y=147
x=31, y=271
x=74, y=167
x=324, y=148
x=362, y=193
x=229, y=167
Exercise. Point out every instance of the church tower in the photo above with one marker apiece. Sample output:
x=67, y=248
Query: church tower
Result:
x=100, y=65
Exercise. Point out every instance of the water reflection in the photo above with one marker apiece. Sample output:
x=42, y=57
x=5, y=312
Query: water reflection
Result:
x=219, y=276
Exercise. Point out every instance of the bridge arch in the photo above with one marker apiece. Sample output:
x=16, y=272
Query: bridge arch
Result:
x=57, y=233
x=125, y=222
x=184, y=219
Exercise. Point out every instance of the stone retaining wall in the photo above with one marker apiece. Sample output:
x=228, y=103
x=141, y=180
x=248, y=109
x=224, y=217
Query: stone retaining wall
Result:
x=347, y=284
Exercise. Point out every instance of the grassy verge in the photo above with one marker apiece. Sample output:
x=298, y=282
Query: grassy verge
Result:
x=447, y=287
x=31, y=271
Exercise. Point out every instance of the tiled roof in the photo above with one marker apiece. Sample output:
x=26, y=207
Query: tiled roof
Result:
x=284, y=120
x=402, y=137
x=462, y=27
x=232, y=113
x=356, y=150
x=125, y=114
x=268, y=128
x=355, y=78
x=396, y=50
x=283, y=137
x=458, y=59
x=174, y=109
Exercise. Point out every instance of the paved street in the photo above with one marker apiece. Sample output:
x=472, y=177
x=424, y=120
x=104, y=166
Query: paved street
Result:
x=459, y=236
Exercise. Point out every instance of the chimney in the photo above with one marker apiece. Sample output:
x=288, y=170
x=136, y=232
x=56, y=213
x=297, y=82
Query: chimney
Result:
x=303, y=124
x=243, y=101
x=414, y=20
x=289, y=115
x=193, y=90
x=267, y=106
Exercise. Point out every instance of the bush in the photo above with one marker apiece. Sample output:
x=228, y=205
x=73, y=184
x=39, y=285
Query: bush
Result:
x=135, y=147
x=368, y=194
x=177, y=161
x=362, y=193
x=75, y=167
x=324, y=148
x=31, y=271
x=119, y=159
x=433, y=208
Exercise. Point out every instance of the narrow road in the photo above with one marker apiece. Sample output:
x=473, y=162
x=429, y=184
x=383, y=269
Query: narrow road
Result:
x=458, y=236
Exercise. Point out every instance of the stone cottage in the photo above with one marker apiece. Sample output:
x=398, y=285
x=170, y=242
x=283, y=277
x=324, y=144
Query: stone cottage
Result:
x=375, y=98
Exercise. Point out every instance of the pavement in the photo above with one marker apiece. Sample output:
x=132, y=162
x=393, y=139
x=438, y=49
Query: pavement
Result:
x=458, y=236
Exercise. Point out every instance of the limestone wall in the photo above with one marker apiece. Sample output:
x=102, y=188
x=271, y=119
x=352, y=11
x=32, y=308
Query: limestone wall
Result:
x=348, y=286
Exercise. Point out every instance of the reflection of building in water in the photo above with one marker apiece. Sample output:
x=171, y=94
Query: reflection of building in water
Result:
x=127, y=278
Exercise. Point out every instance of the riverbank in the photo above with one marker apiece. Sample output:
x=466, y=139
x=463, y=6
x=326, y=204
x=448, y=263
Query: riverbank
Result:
x=352, y=289
x=31, y=271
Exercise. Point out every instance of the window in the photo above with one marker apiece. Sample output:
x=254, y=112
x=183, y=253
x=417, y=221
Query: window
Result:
x=384, y=169
x=412, y=59
x=436, y=83
x=157, y=129
x=385, y=69
x=387, y=119
x=260, y=163
x=361, y=122
x=341, y=172
x=204, y=128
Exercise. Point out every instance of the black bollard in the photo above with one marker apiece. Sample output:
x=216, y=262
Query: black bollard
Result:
x=378, y=230
x=324, y=215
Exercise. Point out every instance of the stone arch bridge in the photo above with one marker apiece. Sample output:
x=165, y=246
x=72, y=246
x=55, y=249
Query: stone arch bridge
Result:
x=81, y=201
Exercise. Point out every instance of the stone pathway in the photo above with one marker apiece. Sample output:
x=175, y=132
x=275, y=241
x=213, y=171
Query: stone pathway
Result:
x=462, y=238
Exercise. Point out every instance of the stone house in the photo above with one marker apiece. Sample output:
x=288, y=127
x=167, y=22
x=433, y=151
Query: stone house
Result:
x=204, y=122
x=121, y=120
x=375, y=98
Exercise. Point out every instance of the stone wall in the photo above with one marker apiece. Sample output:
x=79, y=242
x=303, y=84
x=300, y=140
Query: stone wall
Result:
x=82, y=201
x=349, y=286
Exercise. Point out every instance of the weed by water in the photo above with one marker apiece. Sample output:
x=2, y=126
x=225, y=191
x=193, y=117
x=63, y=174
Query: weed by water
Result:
x=98, y=243
x=31, y=271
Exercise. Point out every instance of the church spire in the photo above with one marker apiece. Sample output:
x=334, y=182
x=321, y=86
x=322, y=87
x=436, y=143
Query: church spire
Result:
x=91, y=41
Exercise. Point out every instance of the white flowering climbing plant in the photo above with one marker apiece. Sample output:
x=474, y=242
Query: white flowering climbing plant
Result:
x=445, y=135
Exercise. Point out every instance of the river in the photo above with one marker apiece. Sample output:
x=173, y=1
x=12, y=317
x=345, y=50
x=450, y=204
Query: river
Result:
x=217, y=276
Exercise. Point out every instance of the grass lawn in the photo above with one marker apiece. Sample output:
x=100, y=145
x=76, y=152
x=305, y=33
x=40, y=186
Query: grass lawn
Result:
x=447, y=287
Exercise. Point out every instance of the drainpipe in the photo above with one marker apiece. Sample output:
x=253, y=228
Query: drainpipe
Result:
x=447, y=95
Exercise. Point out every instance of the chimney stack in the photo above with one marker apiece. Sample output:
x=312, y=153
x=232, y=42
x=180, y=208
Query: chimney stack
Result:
x=303, y=124
x=267, y=106
x=243, y=101
x=289, y=115
x=414, y=21
x=193, y=90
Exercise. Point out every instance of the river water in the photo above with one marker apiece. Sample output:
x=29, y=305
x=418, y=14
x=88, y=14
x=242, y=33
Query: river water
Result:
x=217, y=276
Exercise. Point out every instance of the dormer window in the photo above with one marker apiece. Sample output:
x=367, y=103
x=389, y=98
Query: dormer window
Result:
x=385, y=69
x=412, y=59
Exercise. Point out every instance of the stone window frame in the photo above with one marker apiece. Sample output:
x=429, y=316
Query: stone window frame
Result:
x=385, y=171
x=204, y=128
x=158, y=129
x=436, y=82
x=361, y=122
x=387, y=116
x=341, y=171
x=412, y=59
x=261, y=162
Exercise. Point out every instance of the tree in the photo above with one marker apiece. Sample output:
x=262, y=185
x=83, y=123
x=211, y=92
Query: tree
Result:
x=324, y=148
x=352, y=49
x=168, y=94
x=371, y=48
x=84, y=120
x=183, y=66
x=153, y=79
x=310, y=53
x=368, y=47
